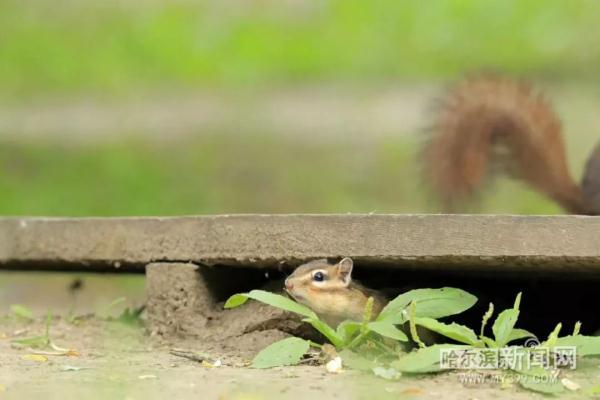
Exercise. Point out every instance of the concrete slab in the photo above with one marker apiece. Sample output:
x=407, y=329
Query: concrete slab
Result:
x=480, y=242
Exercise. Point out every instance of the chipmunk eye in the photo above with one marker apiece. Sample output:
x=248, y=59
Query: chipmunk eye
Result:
x=319, y=276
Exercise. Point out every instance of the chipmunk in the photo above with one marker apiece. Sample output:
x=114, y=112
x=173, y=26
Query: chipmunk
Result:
x=486, y=120
x=329, y=290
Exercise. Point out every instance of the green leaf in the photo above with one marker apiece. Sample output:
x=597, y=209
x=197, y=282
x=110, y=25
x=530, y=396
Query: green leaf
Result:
x=541, y=385
x=553, y=337
x=504, y=325
x=34, y=342
x=236, y=300
x=271, y=299
x=112, y=305
x=460, y=333
x=327, y=331
x=284, y=303
x=432, y=303
x=426, y=359
x=131, y=316
x=595, y=390
x=388, y=330
x=356, y=361
x=536, y=372
x=38, y=341
x=22, y=312
x=505, y=322
x=488, y=341
x=576, y=328
x=586, y=345
x=538, y=379
x=284, y=352
x=517, y=334
x=347, y=330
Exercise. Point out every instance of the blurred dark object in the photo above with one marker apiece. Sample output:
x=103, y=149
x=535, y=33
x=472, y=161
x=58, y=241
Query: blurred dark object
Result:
x=76, y=285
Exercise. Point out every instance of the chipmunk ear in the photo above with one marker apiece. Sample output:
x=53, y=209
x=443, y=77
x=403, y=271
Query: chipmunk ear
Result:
x=345, y=270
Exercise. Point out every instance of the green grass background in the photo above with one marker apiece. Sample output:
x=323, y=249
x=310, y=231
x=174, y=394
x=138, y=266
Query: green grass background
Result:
x=116, y=49
x=222, y=173
x=116, y=46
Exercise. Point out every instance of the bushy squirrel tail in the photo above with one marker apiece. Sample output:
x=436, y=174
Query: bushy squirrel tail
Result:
x=489, y=122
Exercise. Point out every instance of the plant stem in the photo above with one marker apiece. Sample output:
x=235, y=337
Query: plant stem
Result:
x=413, y=327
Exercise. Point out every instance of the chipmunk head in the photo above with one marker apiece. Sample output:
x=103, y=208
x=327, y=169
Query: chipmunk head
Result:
x=309, y=281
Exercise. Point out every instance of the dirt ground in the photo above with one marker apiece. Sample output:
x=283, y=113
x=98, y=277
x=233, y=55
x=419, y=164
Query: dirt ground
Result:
x=122, y=362
x=111, y=359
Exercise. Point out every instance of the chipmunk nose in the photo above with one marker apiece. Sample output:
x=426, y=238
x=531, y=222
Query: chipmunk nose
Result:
x=289, y=285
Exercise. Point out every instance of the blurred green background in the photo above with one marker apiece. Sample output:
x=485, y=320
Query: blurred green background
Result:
x=144, y=108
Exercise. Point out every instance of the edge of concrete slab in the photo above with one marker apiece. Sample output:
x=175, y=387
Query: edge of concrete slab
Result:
x=499, y=242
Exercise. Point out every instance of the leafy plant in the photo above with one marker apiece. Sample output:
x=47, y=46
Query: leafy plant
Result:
x=22, y=312
x=428, y=303
x=38, y=341
x=129, y=316
x=504, y=332
x=503, y=328
x=354, y=340
x=42, y=342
